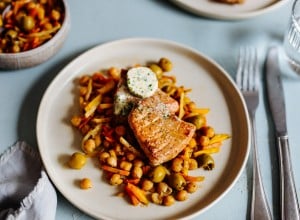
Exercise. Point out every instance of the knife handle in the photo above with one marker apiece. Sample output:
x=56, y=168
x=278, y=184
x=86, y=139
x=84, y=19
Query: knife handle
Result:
x=288, y=195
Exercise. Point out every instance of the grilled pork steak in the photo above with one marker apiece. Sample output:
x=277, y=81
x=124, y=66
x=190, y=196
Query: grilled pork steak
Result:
x=160, y=133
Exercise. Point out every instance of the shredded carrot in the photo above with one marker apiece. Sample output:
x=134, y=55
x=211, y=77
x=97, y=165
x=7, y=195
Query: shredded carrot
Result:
x=133, y=181
x=218, y=138
x=193, y=178
x=213, y=145
x=115, y=170
x=138, y=193
x=206, y=151
x=133, y=199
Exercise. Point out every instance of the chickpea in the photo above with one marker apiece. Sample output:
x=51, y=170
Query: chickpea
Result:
x=103, y=156
x=15, y=48
x=193, y=164
x=77, y=160
x=181, y=195
x=156, y=198
x=147, y=185
x=165, y=64
x=138, y=163
x=125, y=165
x=163, y=189
x=118, y=149
x=112, y=161
x=89, y=146
x=203, y=140
x=55, y=15
x=192, y=143
x=168, y=200
x=47, y=26
x=76, y=120
x=85, y=183
x=208, y=131
x=191, y=187
x=191, y=105
x=137, y=172
x=116, y=179
x=115, y=73
x=177, y=164
x=130, y=156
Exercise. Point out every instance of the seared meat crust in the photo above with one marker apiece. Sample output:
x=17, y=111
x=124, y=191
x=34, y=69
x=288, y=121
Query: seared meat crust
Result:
x=160, y=133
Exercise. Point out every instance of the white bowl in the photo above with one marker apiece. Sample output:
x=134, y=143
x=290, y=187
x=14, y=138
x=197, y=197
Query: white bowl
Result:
x=40, y=54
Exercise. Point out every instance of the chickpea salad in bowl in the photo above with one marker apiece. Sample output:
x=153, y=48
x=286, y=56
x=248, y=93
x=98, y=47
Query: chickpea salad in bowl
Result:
x=153, y=137
x=31, y=31
x=26, y=24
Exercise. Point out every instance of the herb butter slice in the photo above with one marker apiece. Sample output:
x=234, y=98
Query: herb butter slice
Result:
x=142, y=81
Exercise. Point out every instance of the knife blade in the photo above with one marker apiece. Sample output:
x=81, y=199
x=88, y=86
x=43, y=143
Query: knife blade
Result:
x=289, y=205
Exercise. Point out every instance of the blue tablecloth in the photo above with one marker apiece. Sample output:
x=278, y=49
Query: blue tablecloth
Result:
x=98, y=21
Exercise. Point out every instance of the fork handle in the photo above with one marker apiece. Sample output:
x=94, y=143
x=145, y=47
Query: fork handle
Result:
x=288, y=195
x=259, y=206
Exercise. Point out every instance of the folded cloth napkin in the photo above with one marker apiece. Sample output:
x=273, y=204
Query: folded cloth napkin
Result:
x=25, y=190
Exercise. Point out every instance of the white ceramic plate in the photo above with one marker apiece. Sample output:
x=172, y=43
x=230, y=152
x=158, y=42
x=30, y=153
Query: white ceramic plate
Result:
x=212, y=88
x=212, y=9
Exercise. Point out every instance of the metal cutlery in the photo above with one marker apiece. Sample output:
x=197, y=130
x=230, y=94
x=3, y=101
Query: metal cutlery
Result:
x=288, y=195
x=247, y=79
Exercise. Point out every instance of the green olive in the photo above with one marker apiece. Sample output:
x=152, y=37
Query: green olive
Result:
x=157, y=70
x=176, y=181
x=206, y=161
x=198, y=121
x=165, y=64
x=27, y=23
x=157, y=174
x=77, y=160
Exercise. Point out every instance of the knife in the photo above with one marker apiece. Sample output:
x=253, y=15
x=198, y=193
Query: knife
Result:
x=289, y=205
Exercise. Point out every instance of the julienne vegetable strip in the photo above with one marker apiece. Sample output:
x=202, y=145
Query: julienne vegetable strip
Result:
x=109, y=141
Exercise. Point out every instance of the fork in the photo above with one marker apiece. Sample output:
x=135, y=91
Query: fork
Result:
x=247, y=80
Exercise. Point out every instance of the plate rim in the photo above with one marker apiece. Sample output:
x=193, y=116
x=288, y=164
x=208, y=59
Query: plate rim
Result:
x=64, y=72
x=236, y=16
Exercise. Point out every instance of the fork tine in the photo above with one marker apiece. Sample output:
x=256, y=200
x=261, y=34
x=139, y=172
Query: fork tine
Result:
x=256, y=71
x=247, y=74
x=240, y=68
x=247, y=66
x=251, y=63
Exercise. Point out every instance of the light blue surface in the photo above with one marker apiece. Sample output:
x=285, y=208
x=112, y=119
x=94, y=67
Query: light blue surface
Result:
x=97, y=21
